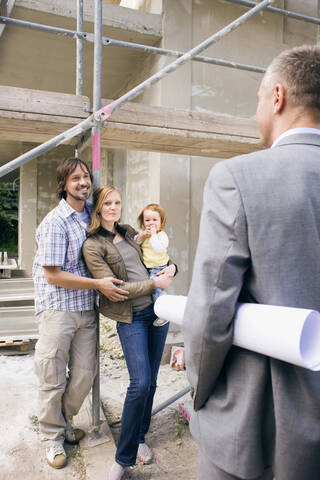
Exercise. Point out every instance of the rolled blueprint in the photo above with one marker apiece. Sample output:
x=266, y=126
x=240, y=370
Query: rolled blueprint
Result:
x=285, y=333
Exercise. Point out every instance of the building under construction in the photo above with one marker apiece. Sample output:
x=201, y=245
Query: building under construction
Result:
x=61, y=61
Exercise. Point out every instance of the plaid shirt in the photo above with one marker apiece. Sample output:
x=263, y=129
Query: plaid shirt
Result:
x=60, y=237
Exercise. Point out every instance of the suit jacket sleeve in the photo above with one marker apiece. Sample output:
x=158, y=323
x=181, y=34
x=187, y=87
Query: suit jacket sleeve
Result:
x=221, y=260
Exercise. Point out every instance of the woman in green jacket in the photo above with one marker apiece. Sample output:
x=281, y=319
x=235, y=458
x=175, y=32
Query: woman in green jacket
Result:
x=111, y=250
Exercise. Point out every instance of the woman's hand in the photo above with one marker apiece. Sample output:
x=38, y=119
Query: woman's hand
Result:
x=163, y=281
x=170, y=270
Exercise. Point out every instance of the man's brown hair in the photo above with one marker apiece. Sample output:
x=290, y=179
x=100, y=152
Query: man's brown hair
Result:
x=65, y=168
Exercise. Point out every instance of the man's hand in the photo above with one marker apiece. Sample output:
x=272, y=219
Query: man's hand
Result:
x=170, y=270
x=107, y=286
x=164, y=281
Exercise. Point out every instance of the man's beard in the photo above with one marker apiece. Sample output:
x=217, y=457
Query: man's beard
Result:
x=83, y=196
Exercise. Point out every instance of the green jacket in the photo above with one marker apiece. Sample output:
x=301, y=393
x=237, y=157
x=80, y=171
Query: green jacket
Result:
x=104, y=260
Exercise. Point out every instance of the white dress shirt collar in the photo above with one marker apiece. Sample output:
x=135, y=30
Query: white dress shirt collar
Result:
x=294, y=131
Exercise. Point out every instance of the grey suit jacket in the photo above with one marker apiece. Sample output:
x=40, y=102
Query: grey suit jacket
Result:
x=259, y=241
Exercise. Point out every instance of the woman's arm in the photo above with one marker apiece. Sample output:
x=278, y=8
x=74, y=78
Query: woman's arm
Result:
x=99, y=268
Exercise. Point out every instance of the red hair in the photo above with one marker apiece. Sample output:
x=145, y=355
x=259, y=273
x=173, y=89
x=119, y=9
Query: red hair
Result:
x=155, y=207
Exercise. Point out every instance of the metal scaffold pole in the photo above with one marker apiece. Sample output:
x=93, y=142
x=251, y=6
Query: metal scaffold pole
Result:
x=96, y=156
x=280, y=11
x=97, y=82
x=79, y=75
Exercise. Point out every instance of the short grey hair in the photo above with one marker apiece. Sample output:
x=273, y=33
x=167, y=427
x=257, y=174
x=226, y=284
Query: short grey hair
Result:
x=298, y=69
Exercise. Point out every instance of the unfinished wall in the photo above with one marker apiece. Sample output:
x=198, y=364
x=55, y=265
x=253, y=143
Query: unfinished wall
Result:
x=175, y=181
x=24, y=55
x=175, y=169
x=27, y=215
x=137, y=174
x=207, y=88
x=256, y=42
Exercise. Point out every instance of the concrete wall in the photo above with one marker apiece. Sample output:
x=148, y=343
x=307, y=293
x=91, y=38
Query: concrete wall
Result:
x=205, y=88
x=25, y=61
x=256, y=42
x=174, y=181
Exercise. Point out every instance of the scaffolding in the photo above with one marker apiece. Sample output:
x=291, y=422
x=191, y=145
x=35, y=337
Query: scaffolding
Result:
x=100, y=115
x=93, y=124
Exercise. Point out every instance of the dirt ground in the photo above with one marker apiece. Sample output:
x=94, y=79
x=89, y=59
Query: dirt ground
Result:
x=21, y=454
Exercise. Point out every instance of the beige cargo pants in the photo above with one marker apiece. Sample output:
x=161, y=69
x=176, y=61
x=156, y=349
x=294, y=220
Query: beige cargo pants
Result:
x=65, y=364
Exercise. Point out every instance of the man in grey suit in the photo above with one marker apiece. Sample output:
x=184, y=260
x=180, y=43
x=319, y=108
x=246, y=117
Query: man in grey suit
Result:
x=259, y=242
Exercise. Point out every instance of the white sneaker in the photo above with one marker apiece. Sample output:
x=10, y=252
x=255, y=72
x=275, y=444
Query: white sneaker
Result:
x=116, y=472
x=56, y=456
x=144, y=453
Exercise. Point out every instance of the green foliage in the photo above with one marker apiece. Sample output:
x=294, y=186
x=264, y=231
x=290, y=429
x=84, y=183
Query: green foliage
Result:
x=34, y=422
x=107, y=328
x=8, y=218
x=78, y=463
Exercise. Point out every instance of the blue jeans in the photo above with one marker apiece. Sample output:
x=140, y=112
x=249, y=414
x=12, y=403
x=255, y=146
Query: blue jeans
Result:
x=142, y=345
x=153, y=273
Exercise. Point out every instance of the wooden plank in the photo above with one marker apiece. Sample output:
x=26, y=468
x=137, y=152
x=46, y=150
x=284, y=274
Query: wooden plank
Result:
x=43, y=102
x=133, y=137
x=134, y=126
x=140, y=114
x=183, y=142
x=62, y=104
x=16, y=347
x=13, y=343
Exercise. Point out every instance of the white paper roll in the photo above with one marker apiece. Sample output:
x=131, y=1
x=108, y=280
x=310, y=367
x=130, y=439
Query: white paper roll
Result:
x=288, y=334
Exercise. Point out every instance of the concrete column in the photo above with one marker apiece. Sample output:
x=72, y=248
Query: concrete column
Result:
x=106, y=167
x=175, y=169
x=27, y=215
x=142, y=183
x=47, y=179
x=120, y=178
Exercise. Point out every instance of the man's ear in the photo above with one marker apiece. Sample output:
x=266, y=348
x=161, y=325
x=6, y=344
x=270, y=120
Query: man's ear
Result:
x=278, y=98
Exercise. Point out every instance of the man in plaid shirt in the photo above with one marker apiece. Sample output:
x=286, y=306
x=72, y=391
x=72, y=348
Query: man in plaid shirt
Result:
x=64, y=305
